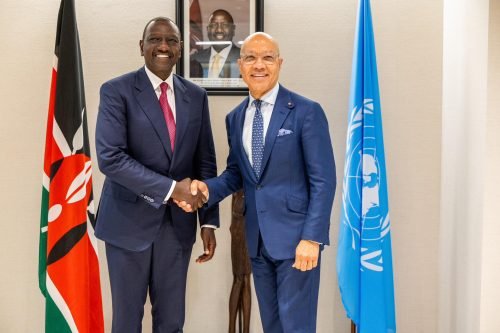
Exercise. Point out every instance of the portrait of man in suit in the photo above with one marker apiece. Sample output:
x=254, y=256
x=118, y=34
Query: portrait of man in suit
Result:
x=153, y=134
x=220, y=59
x=280, y=154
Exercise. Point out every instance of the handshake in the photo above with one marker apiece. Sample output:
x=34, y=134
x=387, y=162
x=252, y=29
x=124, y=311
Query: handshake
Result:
x=190, y=195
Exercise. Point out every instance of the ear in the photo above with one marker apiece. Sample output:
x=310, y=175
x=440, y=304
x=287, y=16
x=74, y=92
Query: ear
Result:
x=141, y=47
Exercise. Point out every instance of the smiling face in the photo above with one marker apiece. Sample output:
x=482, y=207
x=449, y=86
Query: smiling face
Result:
x=220, y=28
x=161, y=47
x=260, y=64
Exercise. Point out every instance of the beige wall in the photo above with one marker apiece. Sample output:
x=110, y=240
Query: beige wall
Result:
x=316, y=41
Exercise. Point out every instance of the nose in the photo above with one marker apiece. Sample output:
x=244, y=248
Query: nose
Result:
x=259, y=63
x=163, y=45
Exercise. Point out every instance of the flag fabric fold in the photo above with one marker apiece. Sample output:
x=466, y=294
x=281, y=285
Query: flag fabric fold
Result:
x=68, y=259
x=364, y=257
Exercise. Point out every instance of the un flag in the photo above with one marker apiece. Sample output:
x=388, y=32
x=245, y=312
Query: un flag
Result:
x=364, y=258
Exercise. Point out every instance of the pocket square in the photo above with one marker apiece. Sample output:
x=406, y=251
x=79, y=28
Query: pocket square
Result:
x=284, y=131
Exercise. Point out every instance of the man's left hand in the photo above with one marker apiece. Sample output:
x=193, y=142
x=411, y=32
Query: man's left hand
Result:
x=306, y=255
x=209, y=244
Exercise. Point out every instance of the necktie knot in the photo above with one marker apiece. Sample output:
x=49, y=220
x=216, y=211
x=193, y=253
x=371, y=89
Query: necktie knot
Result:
x=257, y=103
x=164, y=87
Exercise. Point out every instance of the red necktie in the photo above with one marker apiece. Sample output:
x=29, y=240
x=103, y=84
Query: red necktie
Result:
x=167, y=113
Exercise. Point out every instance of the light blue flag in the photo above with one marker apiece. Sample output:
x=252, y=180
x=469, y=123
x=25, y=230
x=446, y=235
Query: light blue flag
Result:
x=364, y=258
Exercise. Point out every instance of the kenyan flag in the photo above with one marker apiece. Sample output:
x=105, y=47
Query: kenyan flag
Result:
x=68, y=264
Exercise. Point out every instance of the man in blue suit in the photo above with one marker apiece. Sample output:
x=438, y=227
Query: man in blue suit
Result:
x=281, y=155
x=153, y=133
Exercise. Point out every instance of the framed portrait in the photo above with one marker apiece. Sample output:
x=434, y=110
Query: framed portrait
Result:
x=213, y=31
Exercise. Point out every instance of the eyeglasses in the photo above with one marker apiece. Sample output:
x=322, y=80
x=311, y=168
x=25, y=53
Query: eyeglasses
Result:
x=252, y=59
x=222, y=25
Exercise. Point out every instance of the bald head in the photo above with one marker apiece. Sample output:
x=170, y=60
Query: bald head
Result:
x=260, y=63
x=261, y=38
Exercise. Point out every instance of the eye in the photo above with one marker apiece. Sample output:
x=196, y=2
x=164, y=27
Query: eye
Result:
x=269, y=59
x=249, y=59
x=173, y=41
x=154, y=39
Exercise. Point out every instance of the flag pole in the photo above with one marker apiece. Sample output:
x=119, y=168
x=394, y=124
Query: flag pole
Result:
x=353, y=327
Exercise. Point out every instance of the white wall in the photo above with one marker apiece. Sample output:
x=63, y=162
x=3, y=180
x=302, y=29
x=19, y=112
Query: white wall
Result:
x=316, y=41
x=490, y=293
x=470, y=269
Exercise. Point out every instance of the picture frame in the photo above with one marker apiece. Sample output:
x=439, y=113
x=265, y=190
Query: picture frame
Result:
x=208, y=34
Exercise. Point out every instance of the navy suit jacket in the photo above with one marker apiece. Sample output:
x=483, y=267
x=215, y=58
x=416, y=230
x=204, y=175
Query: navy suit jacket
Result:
x=133, y=151
x=230, y=69
x=293, y=198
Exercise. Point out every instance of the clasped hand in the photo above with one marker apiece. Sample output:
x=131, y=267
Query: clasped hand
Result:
x=190, y=195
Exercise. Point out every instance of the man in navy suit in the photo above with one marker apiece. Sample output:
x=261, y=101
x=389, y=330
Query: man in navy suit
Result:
x=281, y=155
x=220, y=60
x=153, y=133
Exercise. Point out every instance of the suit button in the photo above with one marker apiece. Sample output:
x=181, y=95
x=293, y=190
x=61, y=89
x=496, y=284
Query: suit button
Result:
x=258, y=187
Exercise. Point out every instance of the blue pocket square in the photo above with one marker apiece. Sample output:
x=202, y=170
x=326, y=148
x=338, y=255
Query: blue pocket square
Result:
x=284, y=131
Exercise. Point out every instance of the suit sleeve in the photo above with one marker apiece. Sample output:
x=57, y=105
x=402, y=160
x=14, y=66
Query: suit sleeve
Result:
x=207, y=165
x=320, y=170
x=112, y=151
x=230, y=180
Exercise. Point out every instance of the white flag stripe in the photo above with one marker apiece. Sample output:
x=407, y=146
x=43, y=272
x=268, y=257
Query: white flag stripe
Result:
x=55, y=62
x=60, y=139
x=90, y=232
x=45, y=181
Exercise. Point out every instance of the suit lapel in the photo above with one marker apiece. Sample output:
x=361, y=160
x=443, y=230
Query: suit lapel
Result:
x=148, y=101
x=281, y=110
x=182, y=114
x=240, y=121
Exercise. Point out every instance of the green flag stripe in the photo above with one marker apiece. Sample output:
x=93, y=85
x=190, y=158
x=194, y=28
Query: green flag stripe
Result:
x=42, y=253
x=61, y=305
x=54, y=320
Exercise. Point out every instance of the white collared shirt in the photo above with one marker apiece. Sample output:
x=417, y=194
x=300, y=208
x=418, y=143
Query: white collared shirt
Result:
x=267, y=106
x=224, y=53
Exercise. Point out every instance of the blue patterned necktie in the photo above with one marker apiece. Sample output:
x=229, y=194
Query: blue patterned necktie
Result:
x=257, y=138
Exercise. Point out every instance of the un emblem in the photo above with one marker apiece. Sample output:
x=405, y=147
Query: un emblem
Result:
x=364, y=213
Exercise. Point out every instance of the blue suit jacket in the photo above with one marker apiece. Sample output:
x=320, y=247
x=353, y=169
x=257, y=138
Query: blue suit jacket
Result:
x=133, y=151
x=293, y=198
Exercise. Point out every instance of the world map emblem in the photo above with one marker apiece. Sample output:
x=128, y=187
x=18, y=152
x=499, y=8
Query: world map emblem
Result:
x=366, y=212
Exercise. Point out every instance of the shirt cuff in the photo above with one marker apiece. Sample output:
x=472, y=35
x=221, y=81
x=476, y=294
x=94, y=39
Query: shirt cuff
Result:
x=209, y=226
x=172, y=187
